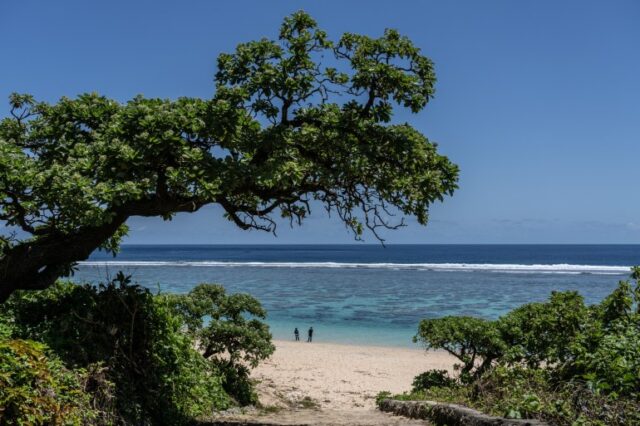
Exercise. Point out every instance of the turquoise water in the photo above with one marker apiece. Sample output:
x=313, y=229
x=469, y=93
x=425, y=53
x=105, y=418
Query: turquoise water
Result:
x=370, y=295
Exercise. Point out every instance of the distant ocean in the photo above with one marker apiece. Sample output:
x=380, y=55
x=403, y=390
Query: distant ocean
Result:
x=369, y=294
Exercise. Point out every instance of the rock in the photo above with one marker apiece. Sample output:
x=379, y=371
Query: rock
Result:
x=449, y=414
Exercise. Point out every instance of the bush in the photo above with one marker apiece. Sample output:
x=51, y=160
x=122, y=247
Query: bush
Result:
x=35, y=388
x=158, y=375
x=521, y=392
x=517, y=392
x=140, y=351
x=614, y=365
x=230, y=333
x=598, y=343
x=538, y=332
x=474, y=341
x=6, y=325
x=381, y=396
x=560, y=361
x=605, y=354
x=433, y=378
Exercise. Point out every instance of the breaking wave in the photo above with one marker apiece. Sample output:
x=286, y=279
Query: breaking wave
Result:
x=561, y=268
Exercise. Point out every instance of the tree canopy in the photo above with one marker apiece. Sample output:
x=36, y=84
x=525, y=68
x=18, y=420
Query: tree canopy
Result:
x=293, y=121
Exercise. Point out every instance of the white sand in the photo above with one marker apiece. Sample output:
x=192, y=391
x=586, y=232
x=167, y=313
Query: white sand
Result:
x=343, y=377
x=333, y=384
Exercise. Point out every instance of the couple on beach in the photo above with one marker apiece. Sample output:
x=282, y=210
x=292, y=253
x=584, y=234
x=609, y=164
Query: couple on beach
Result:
x=296, y=333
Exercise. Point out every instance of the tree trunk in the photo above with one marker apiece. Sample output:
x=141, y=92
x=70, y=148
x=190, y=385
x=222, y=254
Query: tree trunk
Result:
x=37, y=264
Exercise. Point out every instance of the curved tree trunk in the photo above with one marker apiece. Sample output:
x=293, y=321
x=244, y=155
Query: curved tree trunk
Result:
x=37, y=264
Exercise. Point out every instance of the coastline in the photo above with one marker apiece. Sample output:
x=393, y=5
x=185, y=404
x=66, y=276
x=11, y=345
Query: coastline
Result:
x=346, y=333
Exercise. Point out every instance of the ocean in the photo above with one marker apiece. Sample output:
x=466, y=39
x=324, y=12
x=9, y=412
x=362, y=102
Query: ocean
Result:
x=369, y=294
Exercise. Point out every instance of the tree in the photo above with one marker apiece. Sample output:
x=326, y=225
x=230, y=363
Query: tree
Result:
x=142, y=368
x=474, y=341
x=217, y=321
x=232, y=342
x=537, y=333
x=283, y=130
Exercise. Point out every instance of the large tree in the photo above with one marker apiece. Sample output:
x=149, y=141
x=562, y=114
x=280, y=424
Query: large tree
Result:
x=294, y=121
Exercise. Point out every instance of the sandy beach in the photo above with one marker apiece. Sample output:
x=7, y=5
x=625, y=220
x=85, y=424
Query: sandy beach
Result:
x=342, y=376
x=337, y=384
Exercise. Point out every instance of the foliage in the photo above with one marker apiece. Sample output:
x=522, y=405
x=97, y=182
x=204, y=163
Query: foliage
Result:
x=6, y=324
x=433, y=378
x=35, y=388
x=539, y=332
x=606, y=354
x=158, y=375
x=381, y=396
x=231, y=341
x=614, y=365
x=217, y=321
x=519, y=393
x=238, y=384
x=560, y=360
x=475, y=342
x=522, y=392
x=284, y=129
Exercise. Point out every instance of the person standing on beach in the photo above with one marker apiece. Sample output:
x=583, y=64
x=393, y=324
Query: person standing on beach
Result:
x=296, y=333
x=310, y=334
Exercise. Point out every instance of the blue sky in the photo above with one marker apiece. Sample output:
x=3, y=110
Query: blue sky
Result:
x=536, y=101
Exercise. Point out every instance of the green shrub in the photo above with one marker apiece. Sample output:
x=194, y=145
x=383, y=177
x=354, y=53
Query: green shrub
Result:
x=381, y=396
x=141, y=350
x=605, y=355
x=538, y=332
x=516, y=392
x=35, y=388
x=228, y=327
x=6, y=325
x=560, y=360
x=433, y=378
x=158, y=375
x=520, y=392
x=238, y=384
x=614, y=365
x=475, y=342
x=230, y=334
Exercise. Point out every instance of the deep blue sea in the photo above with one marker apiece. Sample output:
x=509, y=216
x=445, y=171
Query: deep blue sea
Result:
x=369, y=294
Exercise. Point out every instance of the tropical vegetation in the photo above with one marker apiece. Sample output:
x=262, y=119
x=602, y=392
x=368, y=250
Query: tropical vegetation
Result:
x=561, y=361
x=296, y=122
x=118, y=354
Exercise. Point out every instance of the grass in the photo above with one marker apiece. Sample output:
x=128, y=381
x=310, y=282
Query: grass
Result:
x=308, y=403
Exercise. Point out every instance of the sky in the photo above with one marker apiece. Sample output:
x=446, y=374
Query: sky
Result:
x=536, y=101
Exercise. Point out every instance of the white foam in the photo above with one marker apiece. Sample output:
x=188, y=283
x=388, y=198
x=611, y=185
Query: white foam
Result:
x=560, y=268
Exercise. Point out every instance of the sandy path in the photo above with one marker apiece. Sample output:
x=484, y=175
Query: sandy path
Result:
x=326, y=383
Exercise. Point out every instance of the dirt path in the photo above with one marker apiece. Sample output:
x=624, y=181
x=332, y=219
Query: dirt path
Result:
x=309, y=417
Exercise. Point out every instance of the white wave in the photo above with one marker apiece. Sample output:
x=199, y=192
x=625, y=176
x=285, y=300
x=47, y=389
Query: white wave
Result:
x=560, y=268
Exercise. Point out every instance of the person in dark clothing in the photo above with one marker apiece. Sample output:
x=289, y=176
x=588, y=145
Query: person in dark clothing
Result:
x=296, y=333
x=310, y=334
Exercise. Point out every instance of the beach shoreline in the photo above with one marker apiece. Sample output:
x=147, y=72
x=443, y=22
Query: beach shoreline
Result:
x=340, y=376
x=334, y=383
